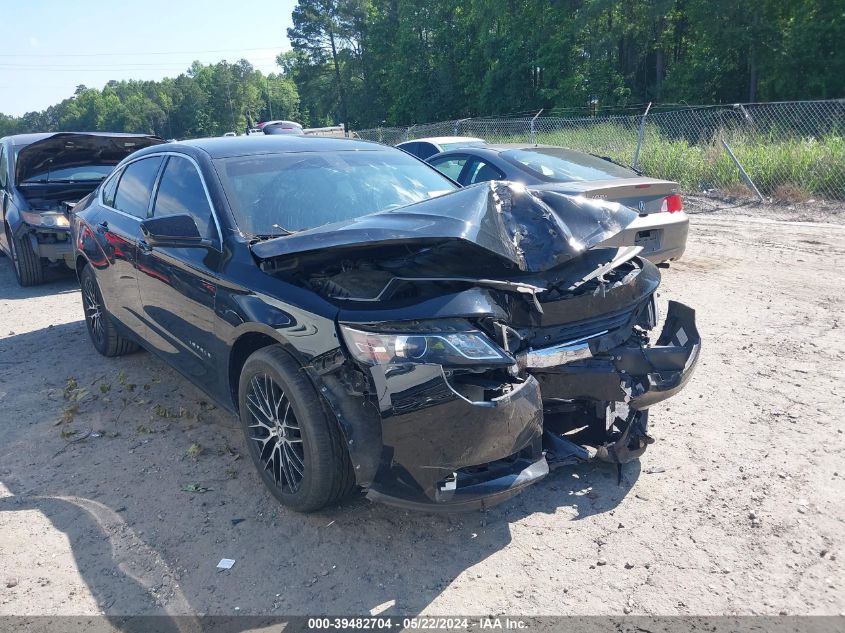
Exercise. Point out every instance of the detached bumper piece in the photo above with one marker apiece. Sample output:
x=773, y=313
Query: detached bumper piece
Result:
x=596, y=408
x=632, y=373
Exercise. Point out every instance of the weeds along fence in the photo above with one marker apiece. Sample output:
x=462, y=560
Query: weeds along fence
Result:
x=788, y=151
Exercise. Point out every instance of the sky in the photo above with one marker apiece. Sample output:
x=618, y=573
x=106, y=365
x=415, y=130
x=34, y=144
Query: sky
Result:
x=49, y=47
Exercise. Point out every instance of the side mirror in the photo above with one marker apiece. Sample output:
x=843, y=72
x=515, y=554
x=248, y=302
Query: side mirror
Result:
x=176, y=231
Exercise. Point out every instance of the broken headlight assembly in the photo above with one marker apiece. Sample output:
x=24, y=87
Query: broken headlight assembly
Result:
x=435, y=348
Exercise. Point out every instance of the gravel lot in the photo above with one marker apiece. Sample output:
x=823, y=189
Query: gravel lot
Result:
x=737, y=509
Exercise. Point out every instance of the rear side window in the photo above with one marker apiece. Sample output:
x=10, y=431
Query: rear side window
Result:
x=424, y=150
x=451, y=167
x=4, y=167
x=482, y=172
x=110, y=188
x=411, y=148
x=136, y=186
x=181, y=192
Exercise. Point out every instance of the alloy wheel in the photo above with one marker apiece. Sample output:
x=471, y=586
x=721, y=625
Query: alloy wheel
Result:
x=276, y=432
x=93, y=311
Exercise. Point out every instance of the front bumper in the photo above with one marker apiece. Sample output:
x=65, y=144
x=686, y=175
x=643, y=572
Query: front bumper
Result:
x=423, y=440
x=443, y=450
x=51, y=243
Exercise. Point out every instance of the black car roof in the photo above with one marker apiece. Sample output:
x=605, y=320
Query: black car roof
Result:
x=228, y=146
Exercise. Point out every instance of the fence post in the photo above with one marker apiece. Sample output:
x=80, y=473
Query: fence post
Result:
x=742, y=171
x=408, y=132
x=458, y=125
x=532, y=136
x=640, y=137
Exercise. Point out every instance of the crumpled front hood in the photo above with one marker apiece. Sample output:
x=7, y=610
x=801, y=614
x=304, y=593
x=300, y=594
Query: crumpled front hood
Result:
x=76, y=149
x=535, y=230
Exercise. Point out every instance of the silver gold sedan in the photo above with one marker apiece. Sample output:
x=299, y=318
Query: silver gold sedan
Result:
x=661, y=228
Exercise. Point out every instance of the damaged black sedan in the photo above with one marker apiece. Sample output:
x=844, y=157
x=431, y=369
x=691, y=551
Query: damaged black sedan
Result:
x=42, y=176
x=371, y=324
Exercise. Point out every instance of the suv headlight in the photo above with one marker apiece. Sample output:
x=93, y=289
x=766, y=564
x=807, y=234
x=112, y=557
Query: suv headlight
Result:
x=52, y=219
x=441, y=348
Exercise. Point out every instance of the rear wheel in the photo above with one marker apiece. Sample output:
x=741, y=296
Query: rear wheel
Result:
x=104, y=335
x=29, y=270
x=294, y=442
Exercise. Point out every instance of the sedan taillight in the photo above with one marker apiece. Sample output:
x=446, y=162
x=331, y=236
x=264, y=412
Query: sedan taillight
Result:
x=672, y=203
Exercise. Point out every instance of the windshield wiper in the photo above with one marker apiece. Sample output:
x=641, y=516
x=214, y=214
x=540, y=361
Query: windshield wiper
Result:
x=260, y=237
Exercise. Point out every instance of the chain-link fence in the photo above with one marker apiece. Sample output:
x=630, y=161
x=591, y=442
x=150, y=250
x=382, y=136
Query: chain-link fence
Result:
x=787, y=151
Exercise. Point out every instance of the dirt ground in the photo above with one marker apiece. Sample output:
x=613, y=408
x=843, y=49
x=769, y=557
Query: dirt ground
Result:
x=121, y=487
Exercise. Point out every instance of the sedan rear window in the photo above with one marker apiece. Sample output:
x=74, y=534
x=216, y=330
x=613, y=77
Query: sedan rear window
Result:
x=272, y=194
x=555, y=163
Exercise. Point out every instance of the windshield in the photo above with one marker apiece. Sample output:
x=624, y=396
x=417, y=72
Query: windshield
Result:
x=555, y=163
x=74, y=174
x=274, y=194
x=445, y=147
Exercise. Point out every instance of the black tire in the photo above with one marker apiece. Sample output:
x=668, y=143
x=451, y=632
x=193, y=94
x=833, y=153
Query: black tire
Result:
x=283, y=417
x=29, y=270
x=104, y=335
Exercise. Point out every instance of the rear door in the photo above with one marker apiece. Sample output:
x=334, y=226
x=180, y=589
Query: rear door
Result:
x=178, y=285
x=125, y=203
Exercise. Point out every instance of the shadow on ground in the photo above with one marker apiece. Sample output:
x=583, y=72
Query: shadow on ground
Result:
x=59, y=281
x=116, y=486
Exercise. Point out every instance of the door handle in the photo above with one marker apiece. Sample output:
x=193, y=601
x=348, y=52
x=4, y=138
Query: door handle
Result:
x=103, y=226
x=144, y=247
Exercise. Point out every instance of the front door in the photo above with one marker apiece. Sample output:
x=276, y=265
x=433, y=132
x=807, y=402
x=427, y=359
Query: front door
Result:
x=178, y=285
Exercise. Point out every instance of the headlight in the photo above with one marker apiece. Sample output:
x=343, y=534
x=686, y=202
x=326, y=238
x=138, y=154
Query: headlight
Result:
x=49, y=218
x=447, y=348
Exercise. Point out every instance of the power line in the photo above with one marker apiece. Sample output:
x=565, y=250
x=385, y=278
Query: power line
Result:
x=127, y=66
x=64, y=54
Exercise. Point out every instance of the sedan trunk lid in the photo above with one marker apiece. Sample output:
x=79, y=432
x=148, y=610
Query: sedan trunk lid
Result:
x=642, y=194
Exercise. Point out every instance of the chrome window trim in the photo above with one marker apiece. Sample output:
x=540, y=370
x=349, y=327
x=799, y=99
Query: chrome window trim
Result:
x=166, y=154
